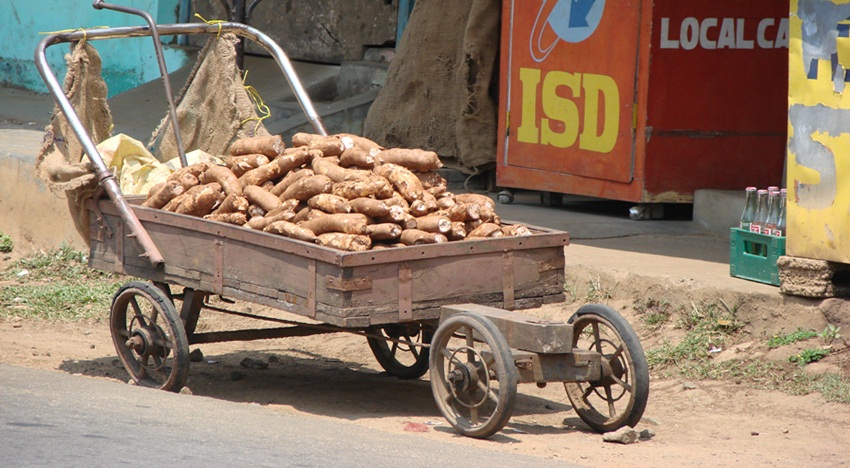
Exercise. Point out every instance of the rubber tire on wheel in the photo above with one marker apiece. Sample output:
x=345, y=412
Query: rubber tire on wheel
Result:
x=163, y=362
x=497, y=403
x=386, y=352
x=627, y=359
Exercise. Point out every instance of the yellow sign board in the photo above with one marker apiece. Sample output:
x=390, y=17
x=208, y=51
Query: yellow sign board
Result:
x=818, y=171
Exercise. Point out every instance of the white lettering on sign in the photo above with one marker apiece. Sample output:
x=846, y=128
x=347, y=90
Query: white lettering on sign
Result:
x=724, y=33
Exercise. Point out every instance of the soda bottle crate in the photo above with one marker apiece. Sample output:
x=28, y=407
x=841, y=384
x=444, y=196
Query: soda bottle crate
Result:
x=753, y=256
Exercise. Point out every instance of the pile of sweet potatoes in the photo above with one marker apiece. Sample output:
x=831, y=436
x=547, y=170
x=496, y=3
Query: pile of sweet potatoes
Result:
x=341, y=191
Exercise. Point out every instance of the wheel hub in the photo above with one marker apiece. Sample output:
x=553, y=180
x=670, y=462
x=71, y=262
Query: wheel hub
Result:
x=611, y=368
x=143, y=341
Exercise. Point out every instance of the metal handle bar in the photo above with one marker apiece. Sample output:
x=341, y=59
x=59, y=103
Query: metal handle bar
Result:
x=104, y=175
x=163, y=70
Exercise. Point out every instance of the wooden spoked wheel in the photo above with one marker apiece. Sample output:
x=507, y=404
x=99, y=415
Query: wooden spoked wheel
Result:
x=473, y=375
x=396, y=352
x=149, y=337
x=620, y=397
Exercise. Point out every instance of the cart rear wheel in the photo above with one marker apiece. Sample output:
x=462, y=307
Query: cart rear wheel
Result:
x=402, y=360
x=620, y=397
x=474, y=382
x=149, y=337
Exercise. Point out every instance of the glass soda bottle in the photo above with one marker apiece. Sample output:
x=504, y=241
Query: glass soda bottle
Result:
x=779, y=231
x=772, y=212
x=757, y=225
x=750, y=207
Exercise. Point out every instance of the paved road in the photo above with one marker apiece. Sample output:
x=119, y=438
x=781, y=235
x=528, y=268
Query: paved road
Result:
x=55, y=419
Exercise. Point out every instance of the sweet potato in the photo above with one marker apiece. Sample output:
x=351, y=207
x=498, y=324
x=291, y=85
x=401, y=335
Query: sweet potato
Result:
x=349, y=141
x=261, y=198
x=376, y=187
x=437, y=191
x=259, y=175
x=255, y=211
x=418, y=208
x=414, y=159
x=397, y=200
x=357, y=156
x=370, y=207
x=403, y=219
x=457, y=232
x=260, y=222
x=418, y=237
x=194, y=169
x=328, y=168
x=444, y=203
x=289, y=179
x=486, y=230
x=349, y=223
x=166, y=191
x=516, y=230
x=291, y=160
x=329, y=203
x=291, y=230
x=404, y=181
x=347, y=242
x=307, y=214
x=431, y=179
x=276, y=168
x=237, y=218
x=383, y=231
x=225, y=177
x=188, y=180
x=270, y=146
x=434, y=223
x=308, y=187
x=233, y=204
x=241, y=164
x=476, y=198
x=329, y=145
x=199, y=200
x=487, y=213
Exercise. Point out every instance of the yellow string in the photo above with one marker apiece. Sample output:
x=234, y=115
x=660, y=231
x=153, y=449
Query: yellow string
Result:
x=63, y=31
x=258, y=103
x=218, y=22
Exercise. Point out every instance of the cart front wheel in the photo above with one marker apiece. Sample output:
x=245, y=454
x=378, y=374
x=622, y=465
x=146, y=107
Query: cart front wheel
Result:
x=395, y=351
x=620, y=397
x=473, y=375
x=149, y=337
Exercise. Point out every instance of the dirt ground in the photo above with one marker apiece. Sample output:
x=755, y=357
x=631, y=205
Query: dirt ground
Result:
x=695, y=423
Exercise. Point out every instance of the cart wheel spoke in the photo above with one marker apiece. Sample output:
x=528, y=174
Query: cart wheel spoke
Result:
x=622, y=383
x=612, y=410
x=596, y=340
x=473, y=415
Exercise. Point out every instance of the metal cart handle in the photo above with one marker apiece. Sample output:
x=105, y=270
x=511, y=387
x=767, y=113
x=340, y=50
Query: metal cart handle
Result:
x=104, y=175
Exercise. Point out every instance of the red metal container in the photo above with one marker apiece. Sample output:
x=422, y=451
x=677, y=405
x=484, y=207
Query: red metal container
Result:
x=643, y=101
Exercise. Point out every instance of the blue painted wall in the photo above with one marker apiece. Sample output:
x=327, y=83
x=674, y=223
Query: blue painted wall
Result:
x=127, y=63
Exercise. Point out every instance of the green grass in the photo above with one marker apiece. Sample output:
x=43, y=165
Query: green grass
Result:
x=809, y=355
x=776, y=341
x=56, y=285
x=654, y=313
x=5, y=243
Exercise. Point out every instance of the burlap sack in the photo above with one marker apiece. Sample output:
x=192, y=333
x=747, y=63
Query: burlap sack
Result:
x=61, y=162
x=441, y=93
x=213, y=109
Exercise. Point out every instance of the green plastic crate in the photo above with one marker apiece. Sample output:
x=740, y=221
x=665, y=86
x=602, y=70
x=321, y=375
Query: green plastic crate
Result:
x=753, y=256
